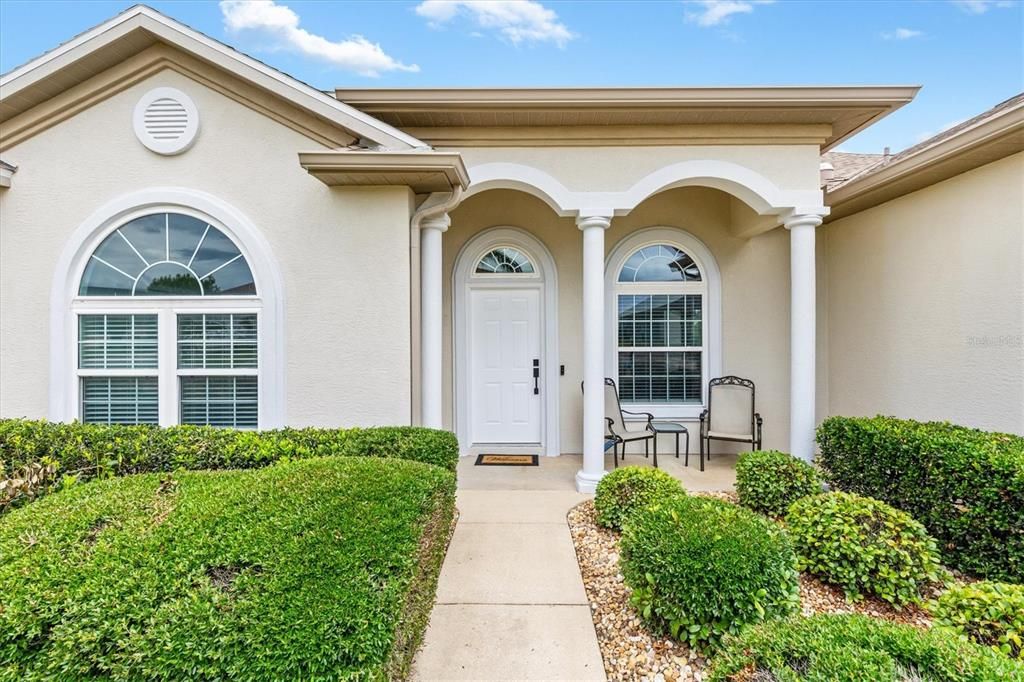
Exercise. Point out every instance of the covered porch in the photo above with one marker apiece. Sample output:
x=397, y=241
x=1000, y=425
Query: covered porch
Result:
x=541, y=220
x=536, y=306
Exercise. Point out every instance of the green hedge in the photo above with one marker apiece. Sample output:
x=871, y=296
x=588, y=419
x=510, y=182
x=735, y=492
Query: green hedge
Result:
x=987, y=613
x=965, y=486
x=623, y=491
x=318, y=569
x=854, y=648
x=863, y=546
x=94, y=451
x=768, y=481
x=702, y=568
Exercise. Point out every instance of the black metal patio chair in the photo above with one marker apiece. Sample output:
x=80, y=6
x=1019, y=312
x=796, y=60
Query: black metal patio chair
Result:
x=620, y=432
x=730, y=414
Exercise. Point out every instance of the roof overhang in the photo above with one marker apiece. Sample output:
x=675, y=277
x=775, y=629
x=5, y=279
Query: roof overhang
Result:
x=7, y=172
x=989, y=140
x=139, y=28
x=434, y=114
x=423, y=171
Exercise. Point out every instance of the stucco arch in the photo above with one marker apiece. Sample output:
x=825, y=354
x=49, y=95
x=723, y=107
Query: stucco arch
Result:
x=517, y=176
x=749, y=186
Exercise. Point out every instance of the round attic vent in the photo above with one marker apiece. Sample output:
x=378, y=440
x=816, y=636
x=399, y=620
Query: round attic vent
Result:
x=166, y=121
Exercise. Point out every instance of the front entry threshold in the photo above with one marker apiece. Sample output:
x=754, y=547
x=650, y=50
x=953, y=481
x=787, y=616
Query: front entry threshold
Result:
x=504, y=449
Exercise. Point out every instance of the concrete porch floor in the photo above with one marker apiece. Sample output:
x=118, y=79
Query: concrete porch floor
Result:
x=558, y=473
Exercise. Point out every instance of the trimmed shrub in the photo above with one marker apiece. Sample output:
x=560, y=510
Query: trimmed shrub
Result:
x=987, y=613
x=854, y=648
x=768, y=481
x=321, y=569
x=863, y=546
x=702, y=568
x=623, y=491
x=88, y=451
x=965, y=486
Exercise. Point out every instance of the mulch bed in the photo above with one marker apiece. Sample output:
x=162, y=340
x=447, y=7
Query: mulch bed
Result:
x=630, y=651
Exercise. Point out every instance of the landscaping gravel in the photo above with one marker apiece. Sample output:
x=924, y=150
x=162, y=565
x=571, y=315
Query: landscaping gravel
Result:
x=630, y=651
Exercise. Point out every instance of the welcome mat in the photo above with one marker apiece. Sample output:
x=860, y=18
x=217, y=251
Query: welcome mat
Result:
x=506, y=460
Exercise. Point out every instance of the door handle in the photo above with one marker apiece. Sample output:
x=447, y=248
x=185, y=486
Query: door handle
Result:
x=536, y=376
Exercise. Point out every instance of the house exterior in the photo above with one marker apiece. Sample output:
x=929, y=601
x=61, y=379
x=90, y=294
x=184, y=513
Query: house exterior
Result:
x=189, y=236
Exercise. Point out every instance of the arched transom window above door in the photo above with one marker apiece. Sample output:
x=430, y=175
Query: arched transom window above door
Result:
x=168, y=323
x=660, y=302
x=504, y=260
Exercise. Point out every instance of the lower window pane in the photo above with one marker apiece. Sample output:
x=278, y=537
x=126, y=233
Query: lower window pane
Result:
x=120, y=400
x=220, y=401
x=660, y=376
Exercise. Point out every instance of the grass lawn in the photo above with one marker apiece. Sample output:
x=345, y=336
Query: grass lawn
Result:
x=318, y=569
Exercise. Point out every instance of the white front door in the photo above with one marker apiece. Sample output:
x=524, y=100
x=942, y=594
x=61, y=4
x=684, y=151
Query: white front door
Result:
x=504, y=343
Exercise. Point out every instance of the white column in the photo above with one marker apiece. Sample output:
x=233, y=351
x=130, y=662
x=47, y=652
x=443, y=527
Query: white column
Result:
x=802, y=334
x=593, y=228
x=431, y=230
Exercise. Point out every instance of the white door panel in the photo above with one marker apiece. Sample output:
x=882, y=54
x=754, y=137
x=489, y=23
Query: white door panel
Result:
x=504, y=341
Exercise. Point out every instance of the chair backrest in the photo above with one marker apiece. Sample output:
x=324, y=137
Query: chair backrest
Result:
x=612, y=409
x=731, y=405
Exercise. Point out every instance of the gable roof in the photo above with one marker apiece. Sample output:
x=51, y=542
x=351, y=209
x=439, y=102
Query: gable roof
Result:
x=870, y=179
x=141, y=27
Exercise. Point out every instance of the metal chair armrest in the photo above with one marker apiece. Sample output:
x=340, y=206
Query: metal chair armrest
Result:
x=610, y=423
x=703, y=420
x=650, y=417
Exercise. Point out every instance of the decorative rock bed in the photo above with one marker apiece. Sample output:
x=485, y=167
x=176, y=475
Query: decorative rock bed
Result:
x=630, y=651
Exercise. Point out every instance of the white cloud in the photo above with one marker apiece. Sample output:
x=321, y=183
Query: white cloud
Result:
x=516, y=20
x=902, y=34
x=981, y=6
x=932, y=133
x=715, y=12
x=281, y=24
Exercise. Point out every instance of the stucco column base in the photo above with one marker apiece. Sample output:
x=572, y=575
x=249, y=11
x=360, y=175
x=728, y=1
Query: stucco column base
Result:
x=587, y=482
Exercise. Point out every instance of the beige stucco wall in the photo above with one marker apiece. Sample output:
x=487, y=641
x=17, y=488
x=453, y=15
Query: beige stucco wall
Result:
x=617, y=168
x=755, y=291
x=926, y=303
x=343, y=254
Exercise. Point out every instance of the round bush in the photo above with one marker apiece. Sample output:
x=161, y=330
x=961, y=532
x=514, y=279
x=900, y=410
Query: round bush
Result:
x=854, y=648
x=701, y=568
x=985, y=612
x=863, y=546
x=768, y=481
x=625, y=490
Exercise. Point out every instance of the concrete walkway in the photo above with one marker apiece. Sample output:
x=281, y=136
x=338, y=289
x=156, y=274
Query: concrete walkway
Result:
x=510, y=600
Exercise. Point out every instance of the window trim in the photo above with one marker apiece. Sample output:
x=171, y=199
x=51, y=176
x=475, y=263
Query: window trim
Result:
x=710, y=287
x=66, y=304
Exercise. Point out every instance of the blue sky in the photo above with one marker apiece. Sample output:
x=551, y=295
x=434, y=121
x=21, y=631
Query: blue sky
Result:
x=968, y=54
